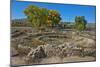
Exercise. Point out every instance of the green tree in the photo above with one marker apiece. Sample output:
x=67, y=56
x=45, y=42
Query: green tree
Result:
x=53, y=18
x=41, y=17
x=80, y=23
x=33, y=15
x=44, y=17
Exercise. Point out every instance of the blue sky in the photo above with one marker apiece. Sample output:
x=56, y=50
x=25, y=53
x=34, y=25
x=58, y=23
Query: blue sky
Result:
x=67, y=11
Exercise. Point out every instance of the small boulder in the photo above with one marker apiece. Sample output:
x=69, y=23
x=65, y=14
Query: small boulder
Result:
x=37, y=53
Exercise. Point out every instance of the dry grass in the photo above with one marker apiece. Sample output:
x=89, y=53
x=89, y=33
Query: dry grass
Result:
x=38, y=42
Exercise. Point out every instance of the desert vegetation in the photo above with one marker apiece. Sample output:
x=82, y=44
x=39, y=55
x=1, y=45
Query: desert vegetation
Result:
x=43, y=38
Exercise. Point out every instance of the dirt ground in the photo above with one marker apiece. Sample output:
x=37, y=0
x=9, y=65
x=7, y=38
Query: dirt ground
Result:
x=59, y=47
x=20, y=61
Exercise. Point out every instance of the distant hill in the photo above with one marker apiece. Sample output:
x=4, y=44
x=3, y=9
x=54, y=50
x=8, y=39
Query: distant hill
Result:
x=91, y=24
x=20, y=22
x=24, y=22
